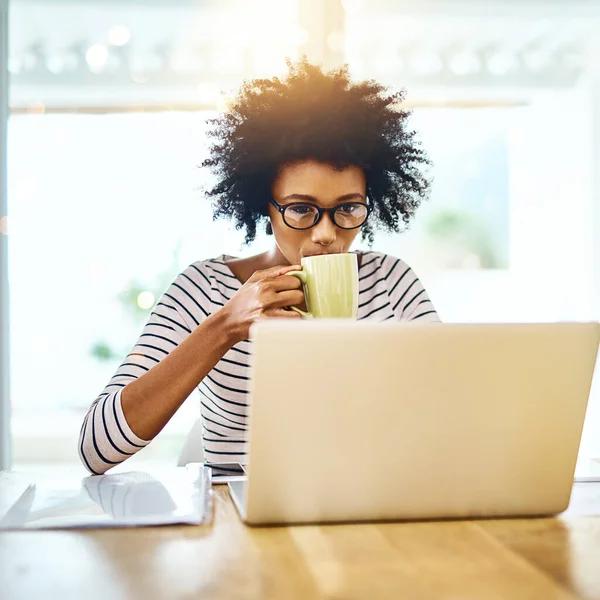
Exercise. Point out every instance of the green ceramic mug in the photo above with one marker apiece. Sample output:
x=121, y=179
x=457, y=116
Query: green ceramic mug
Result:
x=330, y=283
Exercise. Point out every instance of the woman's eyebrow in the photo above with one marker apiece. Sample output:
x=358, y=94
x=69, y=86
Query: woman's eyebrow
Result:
x=309, y=198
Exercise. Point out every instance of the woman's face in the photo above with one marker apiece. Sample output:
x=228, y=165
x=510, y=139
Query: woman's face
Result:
x=321, y=184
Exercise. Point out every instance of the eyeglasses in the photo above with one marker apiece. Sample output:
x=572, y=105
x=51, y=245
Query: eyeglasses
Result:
x=304, y=215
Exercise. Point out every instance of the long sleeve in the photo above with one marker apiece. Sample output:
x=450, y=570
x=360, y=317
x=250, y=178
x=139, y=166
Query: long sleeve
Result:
x=106, y=439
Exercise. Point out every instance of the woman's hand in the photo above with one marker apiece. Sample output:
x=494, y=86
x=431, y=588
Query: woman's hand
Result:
x=267, y=293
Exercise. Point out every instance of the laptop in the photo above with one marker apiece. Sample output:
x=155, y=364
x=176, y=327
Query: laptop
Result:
x=358, y=421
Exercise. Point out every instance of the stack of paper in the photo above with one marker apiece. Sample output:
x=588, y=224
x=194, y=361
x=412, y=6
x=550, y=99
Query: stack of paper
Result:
x=181, y=495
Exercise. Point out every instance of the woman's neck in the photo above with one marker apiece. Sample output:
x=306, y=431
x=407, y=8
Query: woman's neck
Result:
x=243, y=268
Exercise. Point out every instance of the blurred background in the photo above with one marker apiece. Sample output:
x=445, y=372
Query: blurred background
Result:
x=108, y=103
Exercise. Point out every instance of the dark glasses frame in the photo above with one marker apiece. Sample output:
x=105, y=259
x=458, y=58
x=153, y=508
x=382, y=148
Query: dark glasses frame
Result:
x=331, y=211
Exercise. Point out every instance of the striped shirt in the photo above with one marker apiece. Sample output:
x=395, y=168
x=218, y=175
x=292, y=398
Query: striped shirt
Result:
x=388, y=289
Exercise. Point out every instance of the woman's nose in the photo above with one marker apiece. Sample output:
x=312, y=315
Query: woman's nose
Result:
x=324, y=232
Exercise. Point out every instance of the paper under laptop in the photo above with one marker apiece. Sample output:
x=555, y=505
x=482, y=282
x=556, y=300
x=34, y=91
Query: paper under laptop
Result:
x=587, y=470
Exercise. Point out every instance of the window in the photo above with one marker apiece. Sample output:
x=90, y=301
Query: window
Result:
x=106, y=130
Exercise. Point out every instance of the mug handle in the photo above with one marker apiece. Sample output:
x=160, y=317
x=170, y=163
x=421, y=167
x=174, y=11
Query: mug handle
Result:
x=301, y=275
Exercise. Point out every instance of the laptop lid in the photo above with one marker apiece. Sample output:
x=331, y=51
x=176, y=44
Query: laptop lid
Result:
x=367, y=421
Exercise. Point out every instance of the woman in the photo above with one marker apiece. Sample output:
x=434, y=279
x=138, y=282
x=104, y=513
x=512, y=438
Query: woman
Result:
x=320, y=159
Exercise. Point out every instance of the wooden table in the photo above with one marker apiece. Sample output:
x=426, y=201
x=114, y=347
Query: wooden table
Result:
x=524, y=558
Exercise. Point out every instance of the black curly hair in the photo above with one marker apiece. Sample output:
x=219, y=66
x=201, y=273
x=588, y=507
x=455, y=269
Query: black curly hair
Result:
x=311, y=114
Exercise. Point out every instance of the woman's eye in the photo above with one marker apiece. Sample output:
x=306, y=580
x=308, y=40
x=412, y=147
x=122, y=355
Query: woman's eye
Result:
x=301, y=210
x=348, y=209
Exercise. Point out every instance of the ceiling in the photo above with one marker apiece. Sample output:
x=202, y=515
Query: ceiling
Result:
x=109, y=54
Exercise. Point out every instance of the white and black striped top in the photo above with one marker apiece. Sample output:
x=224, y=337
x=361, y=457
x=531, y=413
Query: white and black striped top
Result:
x=389, y=289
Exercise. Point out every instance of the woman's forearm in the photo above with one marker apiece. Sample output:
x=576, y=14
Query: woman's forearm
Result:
x=151, y=400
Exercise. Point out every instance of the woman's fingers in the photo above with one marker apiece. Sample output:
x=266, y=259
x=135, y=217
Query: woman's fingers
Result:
x=284, y=313
x=273, y=272
x=284, y=282
x=287, y=298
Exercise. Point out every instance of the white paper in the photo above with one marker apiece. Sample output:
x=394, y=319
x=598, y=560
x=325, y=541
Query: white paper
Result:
x=175, y=496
